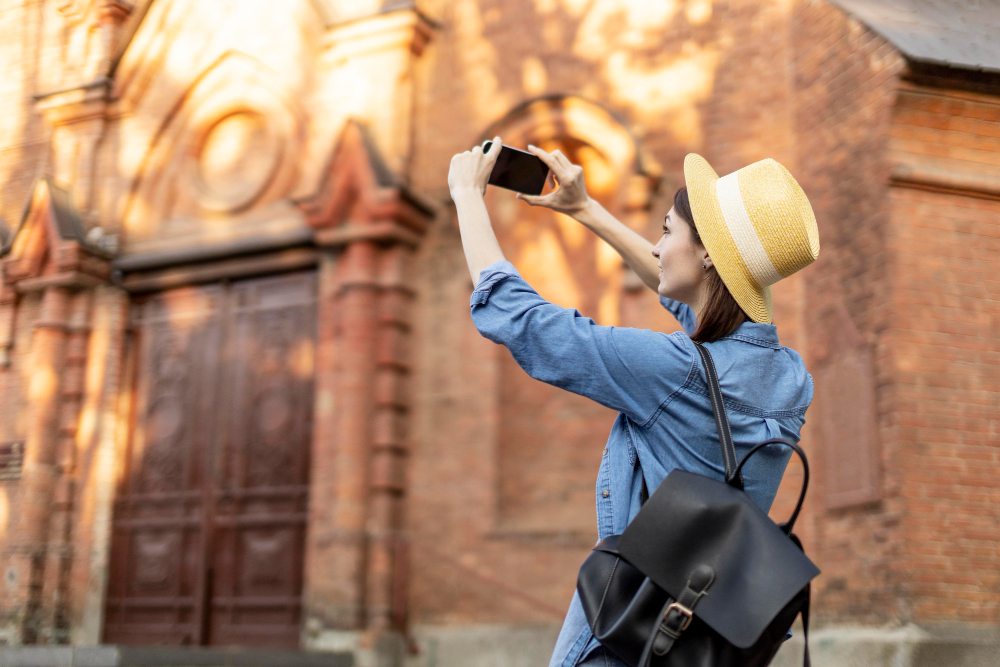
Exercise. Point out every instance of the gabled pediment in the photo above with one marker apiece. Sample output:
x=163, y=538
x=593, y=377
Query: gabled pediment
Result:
x=51, y=240
x=357, y=189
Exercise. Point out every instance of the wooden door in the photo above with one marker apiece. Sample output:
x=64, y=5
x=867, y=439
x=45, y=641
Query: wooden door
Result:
x=209, y=520
x=259, y=503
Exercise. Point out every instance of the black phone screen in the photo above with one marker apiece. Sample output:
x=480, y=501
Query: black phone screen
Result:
x=518, y=170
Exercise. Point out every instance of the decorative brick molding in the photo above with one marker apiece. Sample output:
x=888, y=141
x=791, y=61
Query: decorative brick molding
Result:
x=50, y=253
x=356, y=550
x=50, y=247
x=359, y=198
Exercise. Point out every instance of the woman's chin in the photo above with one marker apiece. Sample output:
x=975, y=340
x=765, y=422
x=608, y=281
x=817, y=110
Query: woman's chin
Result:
x=666, y=292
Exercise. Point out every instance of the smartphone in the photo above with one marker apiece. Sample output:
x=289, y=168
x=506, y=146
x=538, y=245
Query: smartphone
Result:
x=518, y=170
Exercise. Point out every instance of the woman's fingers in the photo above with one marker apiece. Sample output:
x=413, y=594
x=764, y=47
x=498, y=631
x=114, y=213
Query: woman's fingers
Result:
x=567, y=171
x=563, y=160
x=550, y=161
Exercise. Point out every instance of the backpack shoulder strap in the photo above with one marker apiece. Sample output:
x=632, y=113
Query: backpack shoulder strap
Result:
x=733, y=477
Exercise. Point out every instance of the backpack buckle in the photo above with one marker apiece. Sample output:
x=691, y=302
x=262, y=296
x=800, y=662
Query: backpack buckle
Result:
x=680, y=609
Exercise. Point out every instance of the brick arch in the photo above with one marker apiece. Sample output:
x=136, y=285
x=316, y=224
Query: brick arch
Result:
x=545, y=489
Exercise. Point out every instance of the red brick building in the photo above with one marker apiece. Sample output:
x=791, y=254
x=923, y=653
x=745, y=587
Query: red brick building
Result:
x=241, y=398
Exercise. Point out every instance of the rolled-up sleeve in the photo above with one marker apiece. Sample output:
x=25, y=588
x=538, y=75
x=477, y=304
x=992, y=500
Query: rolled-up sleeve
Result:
x=683, y=313
x=631, y=370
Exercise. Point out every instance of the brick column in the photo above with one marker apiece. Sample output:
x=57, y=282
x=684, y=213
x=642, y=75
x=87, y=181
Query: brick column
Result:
x=40, y=472
x=386, y=564
x=354, y=589
x=65, y=499
x=356, y=553
x=345, y=377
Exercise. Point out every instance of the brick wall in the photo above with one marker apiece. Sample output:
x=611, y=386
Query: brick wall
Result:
x=945, y=314
x=845, y=84
x=23, y=149
x=23, y=138
x=903, y=173
x=13, y=426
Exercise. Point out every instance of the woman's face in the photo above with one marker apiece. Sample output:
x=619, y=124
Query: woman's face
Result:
x=680, y=261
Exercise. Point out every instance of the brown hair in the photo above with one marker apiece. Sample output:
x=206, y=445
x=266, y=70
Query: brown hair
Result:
x=721, y=314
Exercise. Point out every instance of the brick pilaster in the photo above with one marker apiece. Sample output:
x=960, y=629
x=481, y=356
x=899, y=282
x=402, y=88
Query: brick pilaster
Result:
x=40, y=473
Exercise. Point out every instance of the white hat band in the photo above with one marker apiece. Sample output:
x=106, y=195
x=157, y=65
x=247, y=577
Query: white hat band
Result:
x=743, y=233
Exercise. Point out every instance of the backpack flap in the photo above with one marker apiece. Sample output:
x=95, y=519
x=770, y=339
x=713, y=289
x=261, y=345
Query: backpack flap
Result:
x=692, y=520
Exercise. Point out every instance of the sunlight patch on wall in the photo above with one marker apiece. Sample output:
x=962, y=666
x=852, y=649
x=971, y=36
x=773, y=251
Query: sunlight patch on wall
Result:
x=342, y=10
x=42, y=385
x=609, y=262
x=97, y=355
x=616, y=144
x=574, y=234
x=662, y=85
x=609, y=307
x=613, y=23
x=302, y=362
x=656, y=91
x=534, y=79
x=698, y=12
x=543, y=265
x=354, y=91
x=478, y=62
x=601, y=176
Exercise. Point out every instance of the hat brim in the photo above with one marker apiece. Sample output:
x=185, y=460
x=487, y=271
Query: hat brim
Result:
x=700, y=178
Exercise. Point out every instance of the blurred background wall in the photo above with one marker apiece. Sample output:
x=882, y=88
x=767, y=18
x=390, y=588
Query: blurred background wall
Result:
x=241, y=398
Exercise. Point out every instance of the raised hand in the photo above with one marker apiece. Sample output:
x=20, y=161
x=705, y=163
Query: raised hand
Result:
x=571, y=196
x=471, y=169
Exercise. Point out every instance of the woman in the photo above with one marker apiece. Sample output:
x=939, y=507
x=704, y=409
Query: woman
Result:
x=724, y=243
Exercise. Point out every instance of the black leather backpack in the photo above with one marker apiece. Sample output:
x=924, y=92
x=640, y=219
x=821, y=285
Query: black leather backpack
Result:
x=701, y=577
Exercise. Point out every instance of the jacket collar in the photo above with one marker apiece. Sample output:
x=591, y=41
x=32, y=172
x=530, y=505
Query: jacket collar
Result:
x=757, y=333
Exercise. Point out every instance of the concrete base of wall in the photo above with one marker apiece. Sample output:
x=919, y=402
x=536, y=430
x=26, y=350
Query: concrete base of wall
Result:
x=162, y=656
x=909, y=646
x=458, y=646
x=483, y=646
x=519, y=646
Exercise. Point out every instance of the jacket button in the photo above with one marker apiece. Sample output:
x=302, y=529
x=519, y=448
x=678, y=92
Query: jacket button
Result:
x=605, y=493
x=605, y=451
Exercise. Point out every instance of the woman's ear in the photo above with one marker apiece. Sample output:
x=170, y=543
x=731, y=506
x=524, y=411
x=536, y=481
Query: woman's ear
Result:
x=706, y=261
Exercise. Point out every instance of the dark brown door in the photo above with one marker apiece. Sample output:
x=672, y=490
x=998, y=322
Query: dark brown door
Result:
x=209, y=519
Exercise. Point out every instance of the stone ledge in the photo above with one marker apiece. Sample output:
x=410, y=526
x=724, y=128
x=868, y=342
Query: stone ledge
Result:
x=907, y=646
x=136, y=656
x=530, y=646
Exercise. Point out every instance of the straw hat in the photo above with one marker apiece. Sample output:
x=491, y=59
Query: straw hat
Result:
x=757, y=226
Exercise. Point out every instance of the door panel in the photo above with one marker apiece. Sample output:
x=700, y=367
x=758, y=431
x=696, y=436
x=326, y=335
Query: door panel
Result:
x=209, y=520
x=262, y=488
x=157, y=556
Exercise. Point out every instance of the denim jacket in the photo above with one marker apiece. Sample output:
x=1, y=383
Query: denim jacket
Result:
x=656, y=382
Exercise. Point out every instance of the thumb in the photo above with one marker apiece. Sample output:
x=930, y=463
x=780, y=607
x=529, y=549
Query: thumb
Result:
x=530, y=199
